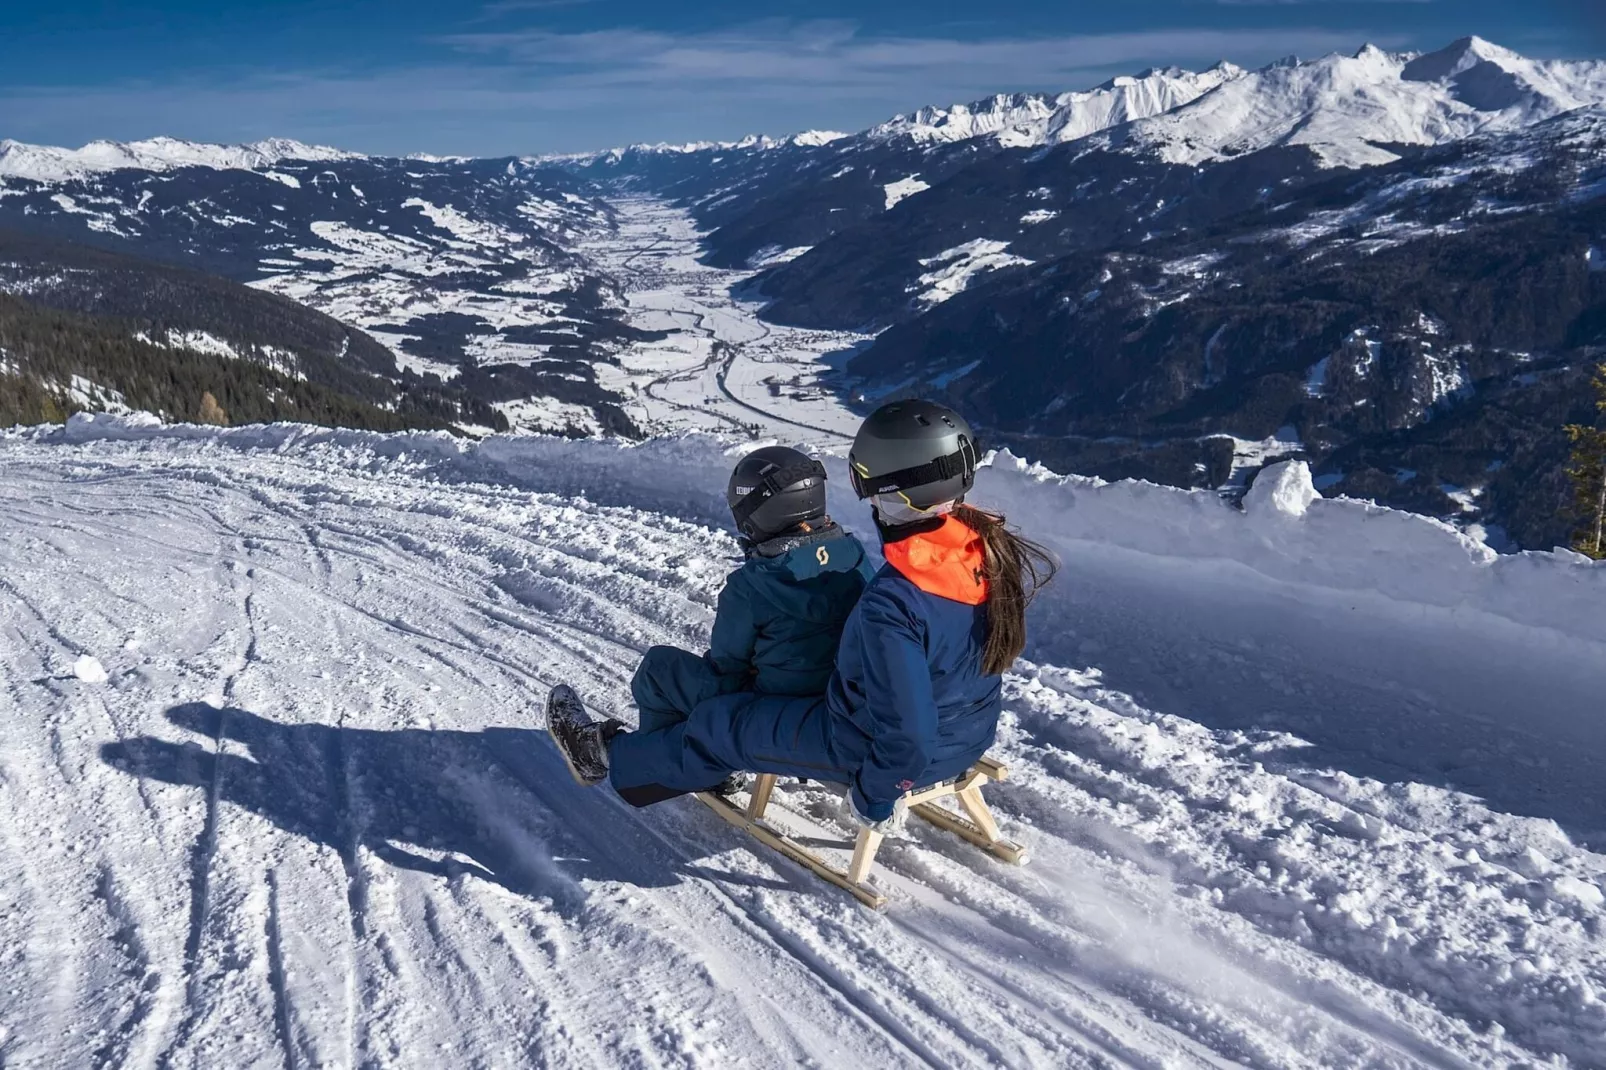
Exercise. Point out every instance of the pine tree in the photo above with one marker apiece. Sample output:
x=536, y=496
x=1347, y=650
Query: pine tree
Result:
x=1588, y=472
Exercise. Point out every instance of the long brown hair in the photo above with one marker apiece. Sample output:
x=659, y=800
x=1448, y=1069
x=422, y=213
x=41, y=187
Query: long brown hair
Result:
x=1016, y=569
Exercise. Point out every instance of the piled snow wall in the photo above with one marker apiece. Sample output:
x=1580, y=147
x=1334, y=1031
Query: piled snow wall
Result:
x=1285, y=534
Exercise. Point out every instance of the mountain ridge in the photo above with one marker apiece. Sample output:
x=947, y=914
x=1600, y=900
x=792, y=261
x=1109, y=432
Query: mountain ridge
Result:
x=48, y=163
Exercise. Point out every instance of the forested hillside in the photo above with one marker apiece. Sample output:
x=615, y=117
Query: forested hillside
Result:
x=86, y=328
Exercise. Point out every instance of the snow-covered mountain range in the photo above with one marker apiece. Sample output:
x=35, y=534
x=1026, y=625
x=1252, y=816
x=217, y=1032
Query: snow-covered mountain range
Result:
x=1028, y=119
x=1136, y=218
x=1354, y=110
x=1349, y=108
x=43, y=163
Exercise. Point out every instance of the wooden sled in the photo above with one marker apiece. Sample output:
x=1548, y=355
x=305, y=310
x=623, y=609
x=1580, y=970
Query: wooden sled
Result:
x=975, y=824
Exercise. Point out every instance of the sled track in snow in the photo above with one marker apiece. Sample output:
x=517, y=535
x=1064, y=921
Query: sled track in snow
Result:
x=325, y=666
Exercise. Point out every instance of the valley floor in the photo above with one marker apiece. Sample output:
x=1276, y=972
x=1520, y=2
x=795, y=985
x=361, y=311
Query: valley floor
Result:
x=721, y=368
x=274, y=792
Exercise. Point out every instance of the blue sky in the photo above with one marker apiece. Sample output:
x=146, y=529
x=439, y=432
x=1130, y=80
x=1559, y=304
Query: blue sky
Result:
x=528, y=76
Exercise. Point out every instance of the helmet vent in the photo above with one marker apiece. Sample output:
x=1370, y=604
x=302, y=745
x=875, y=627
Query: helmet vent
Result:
x=923, y=421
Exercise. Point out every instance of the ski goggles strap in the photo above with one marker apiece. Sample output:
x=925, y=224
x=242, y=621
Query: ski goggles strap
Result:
x=773, y=484
x=961, y=462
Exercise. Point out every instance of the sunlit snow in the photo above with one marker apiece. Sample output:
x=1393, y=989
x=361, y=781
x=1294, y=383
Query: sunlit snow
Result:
x=904, y=187
x=953, y=270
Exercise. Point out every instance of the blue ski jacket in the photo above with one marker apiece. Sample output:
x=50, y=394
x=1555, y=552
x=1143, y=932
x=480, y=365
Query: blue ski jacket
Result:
x=910, y=704
x=781, y=614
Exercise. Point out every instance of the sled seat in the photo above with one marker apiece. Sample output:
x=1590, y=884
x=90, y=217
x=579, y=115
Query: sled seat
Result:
x=973, y=822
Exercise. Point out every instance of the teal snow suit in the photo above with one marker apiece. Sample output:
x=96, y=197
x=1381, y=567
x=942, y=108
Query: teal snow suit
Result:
x=776, y=630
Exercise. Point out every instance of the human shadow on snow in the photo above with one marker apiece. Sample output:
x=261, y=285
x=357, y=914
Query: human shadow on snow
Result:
x=498, y=804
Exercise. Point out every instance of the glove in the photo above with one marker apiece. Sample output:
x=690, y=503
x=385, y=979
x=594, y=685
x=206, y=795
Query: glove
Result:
x=888, y=826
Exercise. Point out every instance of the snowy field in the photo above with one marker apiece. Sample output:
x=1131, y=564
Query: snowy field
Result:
x=721, y=368
x=1315, y=785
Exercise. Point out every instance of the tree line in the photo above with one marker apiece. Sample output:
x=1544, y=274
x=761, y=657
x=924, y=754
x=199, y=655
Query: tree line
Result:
x=44, y=349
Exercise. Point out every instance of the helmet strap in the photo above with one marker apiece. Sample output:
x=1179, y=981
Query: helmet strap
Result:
x=961, y=462
x=773, y=484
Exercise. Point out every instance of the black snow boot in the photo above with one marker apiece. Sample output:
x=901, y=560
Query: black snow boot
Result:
x=582, y=741
x=730, y=785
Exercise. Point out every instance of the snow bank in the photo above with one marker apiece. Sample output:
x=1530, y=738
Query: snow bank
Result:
x=1285, y=534
x=1289, y=535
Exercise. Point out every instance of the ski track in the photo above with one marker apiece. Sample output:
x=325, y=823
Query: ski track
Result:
x=310, y=819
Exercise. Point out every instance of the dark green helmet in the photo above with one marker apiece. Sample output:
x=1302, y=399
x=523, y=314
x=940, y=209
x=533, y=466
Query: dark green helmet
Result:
x=919, y=450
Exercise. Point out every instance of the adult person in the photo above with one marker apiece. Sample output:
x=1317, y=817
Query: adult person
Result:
x=915, y=696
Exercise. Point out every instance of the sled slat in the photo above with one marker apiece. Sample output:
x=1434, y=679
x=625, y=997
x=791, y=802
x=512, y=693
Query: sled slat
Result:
x=864, y=850
x=976, y=825
x=785, y=845
x=991, y=768
x=763, y=787
x=947, y=820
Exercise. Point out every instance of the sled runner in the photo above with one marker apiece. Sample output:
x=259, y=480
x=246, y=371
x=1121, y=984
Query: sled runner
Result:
x=975, y=823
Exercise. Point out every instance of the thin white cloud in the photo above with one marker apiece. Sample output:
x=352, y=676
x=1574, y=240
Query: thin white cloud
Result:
x=540, y=90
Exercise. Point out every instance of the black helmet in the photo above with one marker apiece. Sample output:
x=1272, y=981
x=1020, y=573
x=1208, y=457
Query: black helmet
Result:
x=774, y=489
x=922, y=450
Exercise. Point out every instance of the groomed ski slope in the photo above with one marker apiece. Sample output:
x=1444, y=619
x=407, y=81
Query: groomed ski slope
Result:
x=1305, y=787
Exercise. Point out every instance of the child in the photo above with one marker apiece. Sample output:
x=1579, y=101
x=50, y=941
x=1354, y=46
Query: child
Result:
x=781, y=614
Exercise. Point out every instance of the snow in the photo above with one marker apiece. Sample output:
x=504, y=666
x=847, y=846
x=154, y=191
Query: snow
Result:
x=89, y=669
x=1036, y=216
x=1282, y=489
x=47, y=164
x=1447, y=378
x=809, y=138
x=904, y=187
x=1304, y=790
x=1026, y=120
x=1250, y=455
x=1013, y=120
x=1347, y=108
x=550, y=416
x=471, y=233
x=376, y=280
x=199, y=341
x=953, y=270
x=1316, y=379
x=721, y=367
x=1581, y=892
x=91, y=395
x=770, y=255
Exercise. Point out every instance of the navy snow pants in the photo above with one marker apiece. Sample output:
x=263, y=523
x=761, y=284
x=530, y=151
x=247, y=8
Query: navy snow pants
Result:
x=740, y=732
x=670, y=682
